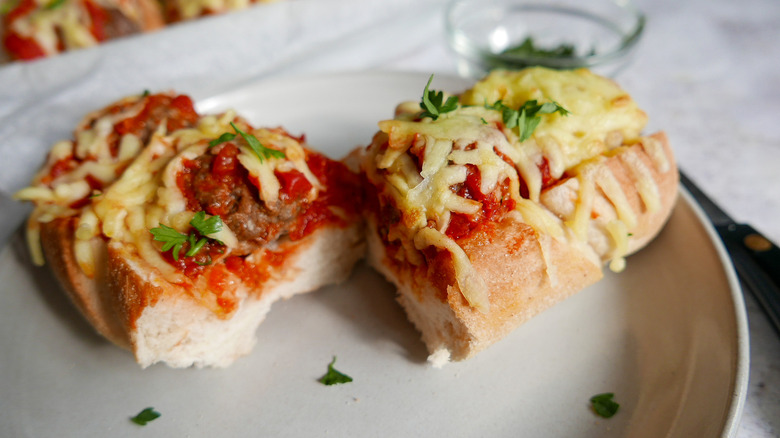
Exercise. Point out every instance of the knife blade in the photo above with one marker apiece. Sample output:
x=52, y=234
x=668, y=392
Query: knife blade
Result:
x=755, y=257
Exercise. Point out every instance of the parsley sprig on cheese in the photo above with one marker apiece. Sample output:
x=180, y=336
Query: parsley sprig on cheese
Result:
x=526, y=118
x=258, y=148
x=433, y=103
x=261, y=151
x=54, y=4
x=224, y=138
x=174, y=240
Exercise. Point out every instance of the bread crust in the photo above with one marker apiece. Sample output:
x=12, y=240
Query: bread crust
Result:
x=132, y=305
x=175, y=248
x=562, y=198
x=521, y=283
x=527, y=271
x=90, y=295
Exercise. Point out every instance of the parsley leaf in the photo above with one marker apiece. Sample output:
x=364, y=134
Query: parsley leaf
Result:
x=432, y=105
x=206, y=226
x=54, y=4
x=228, y=136
x=603, y=404
x=7, y=6
x=334, y=377
x=204, y=263
x=174, y=239
x=258, y=148
x=145, y=416
x=526, y=118
x=170, y=238
x=195, y=246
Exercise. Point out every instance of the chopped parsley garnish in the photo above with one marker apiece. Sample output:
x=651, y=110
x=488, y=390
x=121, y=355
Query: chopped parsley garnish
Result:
x=206, y=263
x=145, y=416
x=526, y=118
x=206, y=226
x=224, y=138
x=603, y=405
x=146, y=93
x=195, y=244
x=54, y=4
x=261, y=151
x=173, y=239
x=170, y=238
x=7, y=6
x=334, y=377
x=433, y=104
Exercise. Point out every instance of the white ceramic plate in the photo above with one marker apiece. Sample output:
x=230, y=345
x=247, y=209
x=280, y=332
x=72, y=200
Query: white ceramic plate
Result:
x=668, y=336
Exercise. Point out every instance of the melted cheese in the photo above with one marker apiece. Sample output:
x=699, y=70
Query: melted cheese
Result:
x=422, y=161
x=598, y=107
x=141, y=190
x=67, y=26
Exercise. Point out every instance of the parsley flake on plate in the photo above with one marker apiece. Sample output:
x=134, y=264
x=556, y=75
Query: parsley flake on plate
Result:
x=603, y=405
x=333, y=376
x=145, y=416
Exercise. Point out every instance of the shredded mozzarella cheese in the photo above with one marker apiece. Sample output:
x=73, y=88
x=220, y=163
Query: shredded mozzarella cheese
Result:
x=140, y=189
x=420, y=162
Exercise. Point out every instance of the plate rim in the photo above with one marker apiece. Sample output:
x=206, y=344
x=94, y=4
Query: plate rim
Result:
x=742, y=368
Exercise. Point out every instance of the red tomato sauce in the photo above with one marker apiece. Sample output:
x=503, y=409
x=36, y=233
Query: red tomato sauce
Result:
x=342, y=190
x=59, y=168
x=218, y=282
x=254, y=275
x=179, y=112
x=23, y=48
x=98, y=18
x=225, y=173
x=494, y=204
x=197, y=264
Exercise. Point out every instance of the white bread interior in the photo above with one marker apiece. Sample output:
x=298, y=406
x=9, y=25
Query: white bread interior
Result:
x=526, y=272
x=162, y=322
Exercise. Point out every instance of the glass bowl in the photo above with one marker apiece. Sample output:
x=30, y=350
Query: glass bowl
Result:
x=562, y=34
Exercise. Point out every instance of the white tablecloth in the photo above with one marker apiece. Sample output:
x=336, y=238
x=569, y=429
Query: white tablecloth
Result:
x=707, y=72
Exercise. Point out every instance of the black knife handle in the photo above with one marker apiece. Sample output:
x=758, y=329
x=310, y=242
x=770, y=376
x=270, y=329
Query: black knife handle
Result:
x=757, y=261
